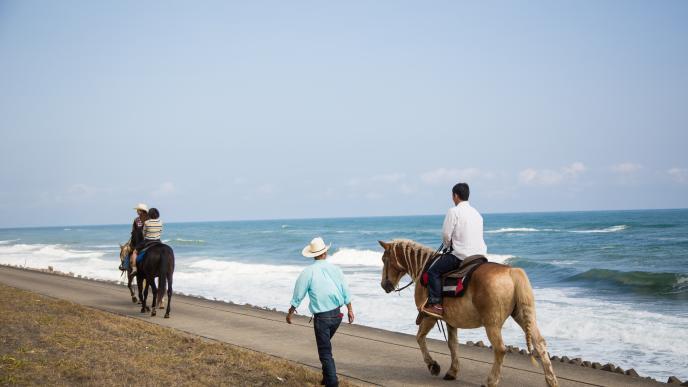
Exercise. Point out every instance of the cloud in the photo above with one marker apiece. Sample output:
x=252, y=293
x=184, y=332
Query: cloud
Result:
x=166, y=188
x=533, y=176
x=679, y=175
x=626, y=168
x=388, y=178
x=450, y=175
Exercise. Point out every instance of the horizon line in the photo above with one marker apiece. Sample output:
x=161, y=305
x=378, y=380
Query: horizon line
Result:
x=345, y=217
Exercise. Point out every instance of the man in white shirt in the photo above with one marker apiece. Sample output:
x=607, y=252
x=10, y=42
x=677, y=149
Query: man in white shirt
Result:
x=462, y=233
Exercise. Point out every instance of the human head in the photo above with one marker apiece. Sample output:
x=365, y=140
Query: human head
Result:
x=141, y=209
x=460, y=193
x=153, y=213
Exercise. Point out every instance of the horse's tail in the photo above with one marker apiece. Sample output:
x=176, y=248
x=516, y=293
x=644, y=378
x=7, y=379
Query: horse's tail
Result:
x=524, y=308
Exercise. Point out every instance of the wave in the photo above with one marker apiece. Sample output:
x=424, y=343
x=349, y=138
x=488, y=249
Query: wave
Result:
x=181, y=241
x=355, y=257
x=7, y=242
x=662, y=284
x=512, y=229
x=618, y=228
x=500, y=258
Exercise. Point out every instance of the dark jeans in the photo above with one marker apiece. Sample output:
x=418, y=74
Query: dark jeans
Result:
x=447, y=262
x=325, y=325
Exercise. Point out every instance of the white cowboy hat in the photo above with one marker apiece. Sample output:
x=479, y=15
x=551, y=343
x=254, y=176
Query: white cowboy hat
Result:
x=315, y=248
x=141, y=207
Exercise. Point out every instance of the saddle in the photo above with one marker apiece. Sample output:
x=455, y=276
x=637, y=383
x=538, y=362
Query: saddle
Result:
x=455, y=282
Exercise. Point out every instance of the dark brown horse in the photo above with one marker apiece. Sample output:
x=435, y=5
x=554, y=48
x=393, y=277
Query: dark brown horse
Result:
x=495, y=293
x=157, y=262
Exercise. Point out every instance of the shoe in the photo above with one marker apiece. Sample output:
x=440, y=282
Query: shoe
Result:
x=434, y=310
x=122, y=268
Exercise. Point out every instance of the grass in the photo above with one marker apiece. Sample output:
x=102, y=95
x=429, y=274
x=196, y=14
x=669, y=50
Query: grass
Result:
x=48, y=341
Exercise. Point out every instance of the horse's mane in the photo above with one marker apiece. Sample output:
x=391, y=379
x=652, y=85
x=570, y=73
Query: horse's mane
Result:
x=411, y=244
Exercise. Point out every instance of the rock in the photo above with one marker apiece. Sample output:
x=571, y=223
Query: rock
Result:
x=587, y=364
x=50, y=268
x=619, y=370
x=565, y=359
x=684, y=383
x=480, y=344
x=576, y=361
x=470, y=343
x=597, y=366
x=608, y=367
x=523, y=352
x=631, y=372
x=673, y=380
x=555, y=358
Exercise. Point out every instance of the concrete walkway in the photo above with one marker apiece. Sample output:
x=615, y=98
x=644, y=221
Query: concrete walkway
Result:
x=364, y=355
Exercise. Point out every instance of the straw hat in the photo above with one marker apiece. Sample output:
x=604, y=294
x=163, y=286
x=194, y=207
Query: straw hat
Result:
x=315, y=248
x=141, y=207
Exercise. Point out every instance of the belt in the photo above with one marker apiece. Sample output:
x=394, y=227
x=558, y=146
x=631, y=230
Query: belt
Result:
x=334, y=313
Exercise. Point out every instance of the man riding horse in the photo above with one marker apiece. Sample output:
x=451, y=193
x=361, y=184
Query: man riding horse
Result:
x=462, y=234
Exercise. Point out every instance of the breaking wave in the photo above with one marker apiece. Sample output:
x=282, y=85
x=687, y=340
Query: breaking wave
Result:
x=661, y=284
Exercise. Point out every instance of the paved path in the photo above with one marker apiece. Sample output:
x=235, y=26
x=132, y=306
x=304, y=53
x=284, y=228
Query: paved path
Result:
x=365, y=355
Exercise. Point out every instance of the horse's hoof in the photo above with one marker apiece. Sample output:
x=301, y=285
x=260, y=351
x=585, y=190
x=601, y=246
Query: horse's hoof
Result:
x=143, y=310
x=447, y=376
x=133, y=299
x=161, y=307
x=167, y=315
x=434, y=368
x=153, y=313
x=148, y=309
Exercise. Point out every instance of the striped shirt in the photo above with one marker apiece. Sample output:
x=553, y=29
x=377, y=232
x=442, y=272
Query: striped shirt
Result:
x=152, y=229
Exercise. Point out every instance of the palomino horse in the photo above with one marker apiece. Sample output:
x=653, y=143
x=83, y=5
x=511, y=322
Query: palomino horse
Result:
x=494, y=293
x=125, y=253
x=158, y=262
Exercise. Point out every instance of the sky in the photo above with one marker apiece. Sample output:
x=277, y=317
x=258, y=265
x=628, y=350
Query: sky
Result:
x=228, y=110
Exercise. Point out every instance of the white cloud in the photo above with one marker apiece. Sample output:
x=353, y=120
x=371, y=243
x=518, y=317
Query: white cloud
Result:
x=450, y=175
x=679, y=175
x=626, y=168
x=164, y=189
x=388, y=178
x=551, y=177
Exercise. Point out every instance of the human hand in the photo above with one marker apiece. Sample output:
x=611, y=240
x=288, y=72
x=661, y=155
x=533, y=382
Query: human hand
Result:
x=351, y=316
x=292, y=310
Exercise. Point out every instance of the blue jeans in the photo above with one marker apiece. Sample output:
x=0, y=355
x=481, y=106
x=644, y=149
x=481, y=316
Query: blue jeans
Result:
x=445, y=263
x=325, y=325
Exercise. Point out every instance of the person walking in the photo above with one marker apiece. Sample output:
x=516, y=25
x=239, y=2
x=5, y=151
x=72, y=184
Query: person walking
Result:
x=328, y=292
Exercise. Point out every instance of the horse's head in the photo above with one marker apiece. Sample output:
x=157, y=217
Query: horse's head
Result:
x=124, y=251
x=392, y=270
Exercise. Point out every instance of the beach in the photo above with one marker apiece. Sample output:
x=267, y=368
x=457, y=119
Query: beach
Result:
x=610, y=287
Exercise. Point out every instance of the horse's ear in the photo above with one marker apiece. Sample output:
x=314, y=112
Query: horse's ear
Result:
x=384, y=244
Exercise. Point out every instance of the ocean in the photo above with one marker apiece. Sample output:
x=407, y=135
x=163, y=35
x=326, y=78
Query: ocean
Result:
x=610, y=286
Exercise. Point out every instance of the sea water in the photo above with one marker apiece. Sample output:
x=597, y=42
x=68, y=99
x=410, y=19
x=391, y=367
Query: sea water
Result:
x=609, y=286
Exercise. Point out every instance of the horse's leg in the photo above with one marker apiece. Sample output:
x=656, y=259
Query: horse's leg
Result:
x=154, y=288
x=130, y=279
x=169, y=295
x=143, y=291
x=453, y=349
x=541, y=349
x=423, y=329
x=494, y=334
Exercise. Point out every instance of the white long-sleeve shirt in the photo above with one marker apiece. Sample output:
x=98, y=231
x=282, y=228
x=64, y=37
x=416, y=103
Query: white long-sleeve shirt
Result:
x=463, y=231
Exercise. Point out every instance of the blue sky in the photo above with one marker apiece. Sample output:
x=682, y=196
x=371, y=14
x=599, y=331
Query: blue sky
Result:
x=253, y=110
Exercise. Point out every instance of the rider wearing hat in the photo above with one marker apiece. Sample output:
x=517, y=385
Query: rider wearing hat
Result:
x=137, y=240
x=328, y=292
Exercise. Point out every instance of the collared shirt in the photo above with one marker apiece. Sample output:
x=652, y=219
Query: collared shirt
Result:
x=325, y=285
x=463, y=231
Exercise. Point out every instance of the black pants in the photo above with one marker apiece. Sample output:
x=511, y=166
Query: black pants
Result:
x=445, y=263
x=325, y=325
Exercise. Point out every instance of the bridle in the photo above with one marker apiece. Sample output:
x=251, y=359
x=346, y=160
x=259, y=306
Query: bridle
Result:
x=387, y=263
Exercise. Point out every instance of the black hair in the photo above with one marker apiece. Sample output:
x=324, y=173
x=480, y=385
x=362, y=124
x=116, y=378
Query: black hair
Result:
x=461, y=190
x=153, y=213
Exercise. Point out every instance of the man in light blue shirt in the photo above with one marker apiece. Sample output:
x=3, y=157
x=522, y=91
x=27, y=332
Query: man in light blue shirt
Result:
x=327, y=290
